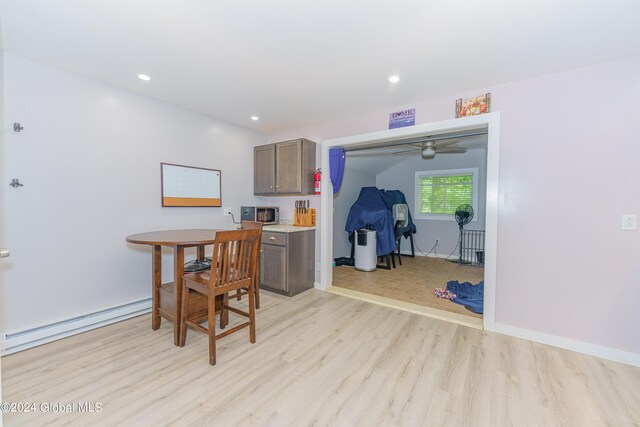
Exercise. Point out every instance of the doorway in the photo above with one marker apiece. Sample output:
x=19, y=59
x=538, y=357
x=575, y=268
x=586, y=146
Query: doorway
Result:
x=488, y=124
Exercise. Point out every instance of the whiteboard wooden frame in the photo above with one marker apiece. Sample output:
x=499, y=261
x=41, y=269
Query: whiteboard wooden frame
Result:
x=192, y=202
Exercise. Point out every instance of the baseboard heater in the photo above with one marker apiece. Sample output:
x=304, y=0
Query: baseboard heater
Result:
x=27, y=338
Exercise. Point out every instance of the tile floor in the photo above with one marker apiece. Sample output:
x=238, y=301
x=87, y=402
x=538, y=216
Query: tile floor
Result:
x=413, y=282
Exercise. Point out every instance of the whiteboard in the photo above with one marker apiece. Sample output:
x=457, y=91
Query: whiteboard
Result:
x=190, y=186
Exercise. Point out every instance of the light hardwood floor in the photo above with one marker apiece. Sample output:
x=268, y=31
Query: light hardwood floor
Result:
x=414, y=281
x=321, y=359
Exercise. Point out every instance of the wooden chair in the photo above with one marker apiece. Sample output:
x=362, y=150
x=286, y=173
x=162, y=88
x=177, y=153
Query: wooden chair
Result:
x=251, y=225
x=237, y=254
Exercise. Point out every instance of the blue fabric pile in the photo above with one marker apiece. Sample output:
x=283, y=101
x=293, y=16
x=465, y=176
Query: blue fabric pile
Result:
x=469, y=295
x=373, y=210
x=370, y=211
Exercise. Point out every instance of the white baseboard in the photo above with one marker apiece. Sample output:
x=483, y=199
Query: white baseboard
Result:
x=15, y=341
x=603, y=352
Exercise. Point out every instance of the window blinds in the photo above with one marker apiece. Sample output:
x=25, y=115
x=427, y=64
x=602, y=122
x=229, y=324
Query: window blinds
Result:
x=444, y=193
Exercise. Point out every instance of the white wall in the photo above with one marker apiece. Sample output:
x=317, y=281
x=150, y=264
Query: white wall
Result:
x=353, y=181
x=568, y=170
x=89, y=158
x=402, y=177
x=2, y=202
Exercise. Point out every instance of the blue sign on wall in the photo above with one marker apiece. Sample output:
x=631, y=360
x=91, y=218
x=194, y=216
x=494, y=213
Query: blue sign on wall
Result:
x=402, y=118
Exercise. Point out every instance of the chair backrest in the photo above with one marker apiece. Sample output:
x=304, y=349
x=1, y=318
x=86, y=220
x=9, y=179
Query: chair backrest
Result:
x=237, y=254
x=250, y=225
x=401, y=213
x=401, y=218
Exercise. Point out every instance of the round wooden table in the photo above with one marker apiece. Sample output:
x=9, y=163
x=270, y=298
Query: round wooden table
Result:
x=168, y=296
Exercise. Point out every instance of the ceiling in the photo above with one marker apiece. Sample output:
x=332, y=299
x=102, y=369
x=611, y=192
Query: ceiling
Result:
x=378, y=160
x=295, y=63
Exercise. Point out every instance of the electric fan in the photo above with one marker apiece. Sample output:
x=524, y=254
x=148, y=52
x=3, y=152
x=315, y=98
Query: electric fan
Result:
x=464, y=215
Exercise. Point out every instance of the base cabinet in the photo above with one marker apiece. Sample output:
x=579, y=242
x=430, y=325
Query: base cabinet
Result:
x=287, y=262
x=273, y=267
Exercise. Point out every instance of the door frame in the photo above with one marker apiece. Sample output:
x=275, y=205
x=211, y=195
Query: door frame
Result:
x=490, y=122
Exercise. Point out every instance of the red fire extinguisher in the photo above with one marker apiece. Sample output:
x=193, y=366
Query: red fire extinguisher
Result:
x=316, y=178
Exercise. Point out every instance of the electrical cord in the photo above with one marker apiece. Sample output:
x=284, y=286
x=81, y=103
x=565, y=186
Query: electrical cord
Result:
x=422, y=252
x=454, y=249
x=433, y=249
x=233, y=219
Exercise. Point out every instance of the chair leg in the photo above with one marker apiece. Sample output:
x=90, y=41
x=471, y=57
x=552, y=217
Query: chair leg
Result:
x=392, y=255
x=413, y=249
x=257, y=288
x=399, y=254
x=224, y=312
x=211, y=327
x=183, y=314
x=238, y=296
x=252, y=315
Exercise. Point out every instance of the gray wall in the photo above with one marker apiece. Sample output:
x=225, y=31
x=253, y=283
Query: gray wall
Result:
x=402, y=177
x=352, y=182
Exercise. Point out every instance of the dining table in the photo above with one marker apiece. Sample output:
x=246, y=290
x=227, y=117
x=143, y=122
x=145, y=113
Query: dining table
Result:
x=167, y=297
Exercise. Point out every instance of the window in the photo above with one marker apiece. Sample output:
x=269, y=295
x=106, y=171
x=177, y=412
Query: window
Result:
x=439, y=193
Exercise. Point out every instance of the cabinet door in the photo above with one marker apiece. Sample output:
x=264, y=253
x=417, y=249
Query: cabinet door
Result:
x=273, y=267
x=264, y=169
x=289, y=167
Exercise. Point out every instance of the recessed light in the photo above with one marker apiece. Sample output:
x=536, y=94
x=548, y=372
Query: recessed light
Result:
x=394, y=79
x=144, y=77
x=255, y=118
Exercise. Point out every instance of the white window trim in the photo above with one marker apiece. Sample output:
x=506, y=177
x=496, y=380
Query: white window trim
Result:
x=445, y=172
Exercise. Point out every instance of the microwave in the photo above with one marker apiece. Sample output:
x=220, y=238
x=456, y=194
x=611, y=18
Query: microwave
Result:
x=264, y=214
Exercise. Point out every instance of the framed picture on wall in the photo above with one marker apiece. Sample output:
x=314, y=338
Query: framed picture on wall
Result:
x=473, y=106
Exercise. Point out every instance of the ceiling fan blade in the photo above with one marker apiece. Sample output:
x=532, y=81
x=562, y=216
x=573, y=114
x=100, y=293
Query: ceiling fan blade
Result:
x=354, y=155
x=451, y=150
x=405, y=152
x=445, y=143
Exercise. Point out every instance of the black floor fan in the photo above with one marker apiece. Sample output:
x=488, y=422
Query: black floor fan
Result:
x=464, y=215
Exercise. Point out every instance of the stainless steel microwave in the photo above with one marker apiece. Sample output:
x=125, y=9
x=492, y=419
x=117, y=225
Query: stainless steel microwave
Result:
x=264, y=214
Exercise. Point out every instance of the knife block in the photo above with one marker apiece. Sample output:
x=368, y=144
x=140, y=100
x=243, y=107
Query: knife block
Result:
x=307, y=219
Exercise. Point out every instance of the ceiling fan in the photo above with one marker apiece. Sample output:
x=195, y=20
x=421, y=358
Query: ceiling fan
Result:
x=429, y=149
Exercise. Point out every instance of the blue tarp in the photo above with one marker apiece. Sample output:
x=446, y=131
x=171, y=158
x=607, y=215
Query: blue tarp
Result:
x=469, y=295
x=370, y=211
x=395, y=197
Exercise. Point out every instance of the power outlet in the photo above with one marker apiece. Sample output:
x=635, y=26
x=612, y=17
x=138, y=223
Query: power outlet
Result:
x=629, y=222
x=226, y=211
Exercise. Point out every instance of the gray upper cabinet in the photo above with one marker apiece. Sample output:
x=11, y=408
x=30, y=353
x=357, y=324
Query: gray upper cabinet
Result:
x=264, y=172
x=285, y=168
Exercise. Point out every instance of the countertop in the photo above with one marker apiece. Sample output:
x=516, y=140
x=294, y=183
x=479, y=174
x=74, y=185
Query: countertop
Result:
x=285, y=228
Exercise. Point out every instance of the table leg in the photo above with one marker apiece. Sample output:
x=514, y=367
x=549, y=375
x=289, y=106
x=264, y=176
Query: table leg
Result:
x=178, y=268
x=200, y=253
x=157, y=282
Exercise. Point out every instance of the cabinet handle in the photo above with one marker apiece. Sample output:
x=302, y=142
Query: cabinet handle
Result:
x=271, y=186
x=277, y=186
x=272, y=238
